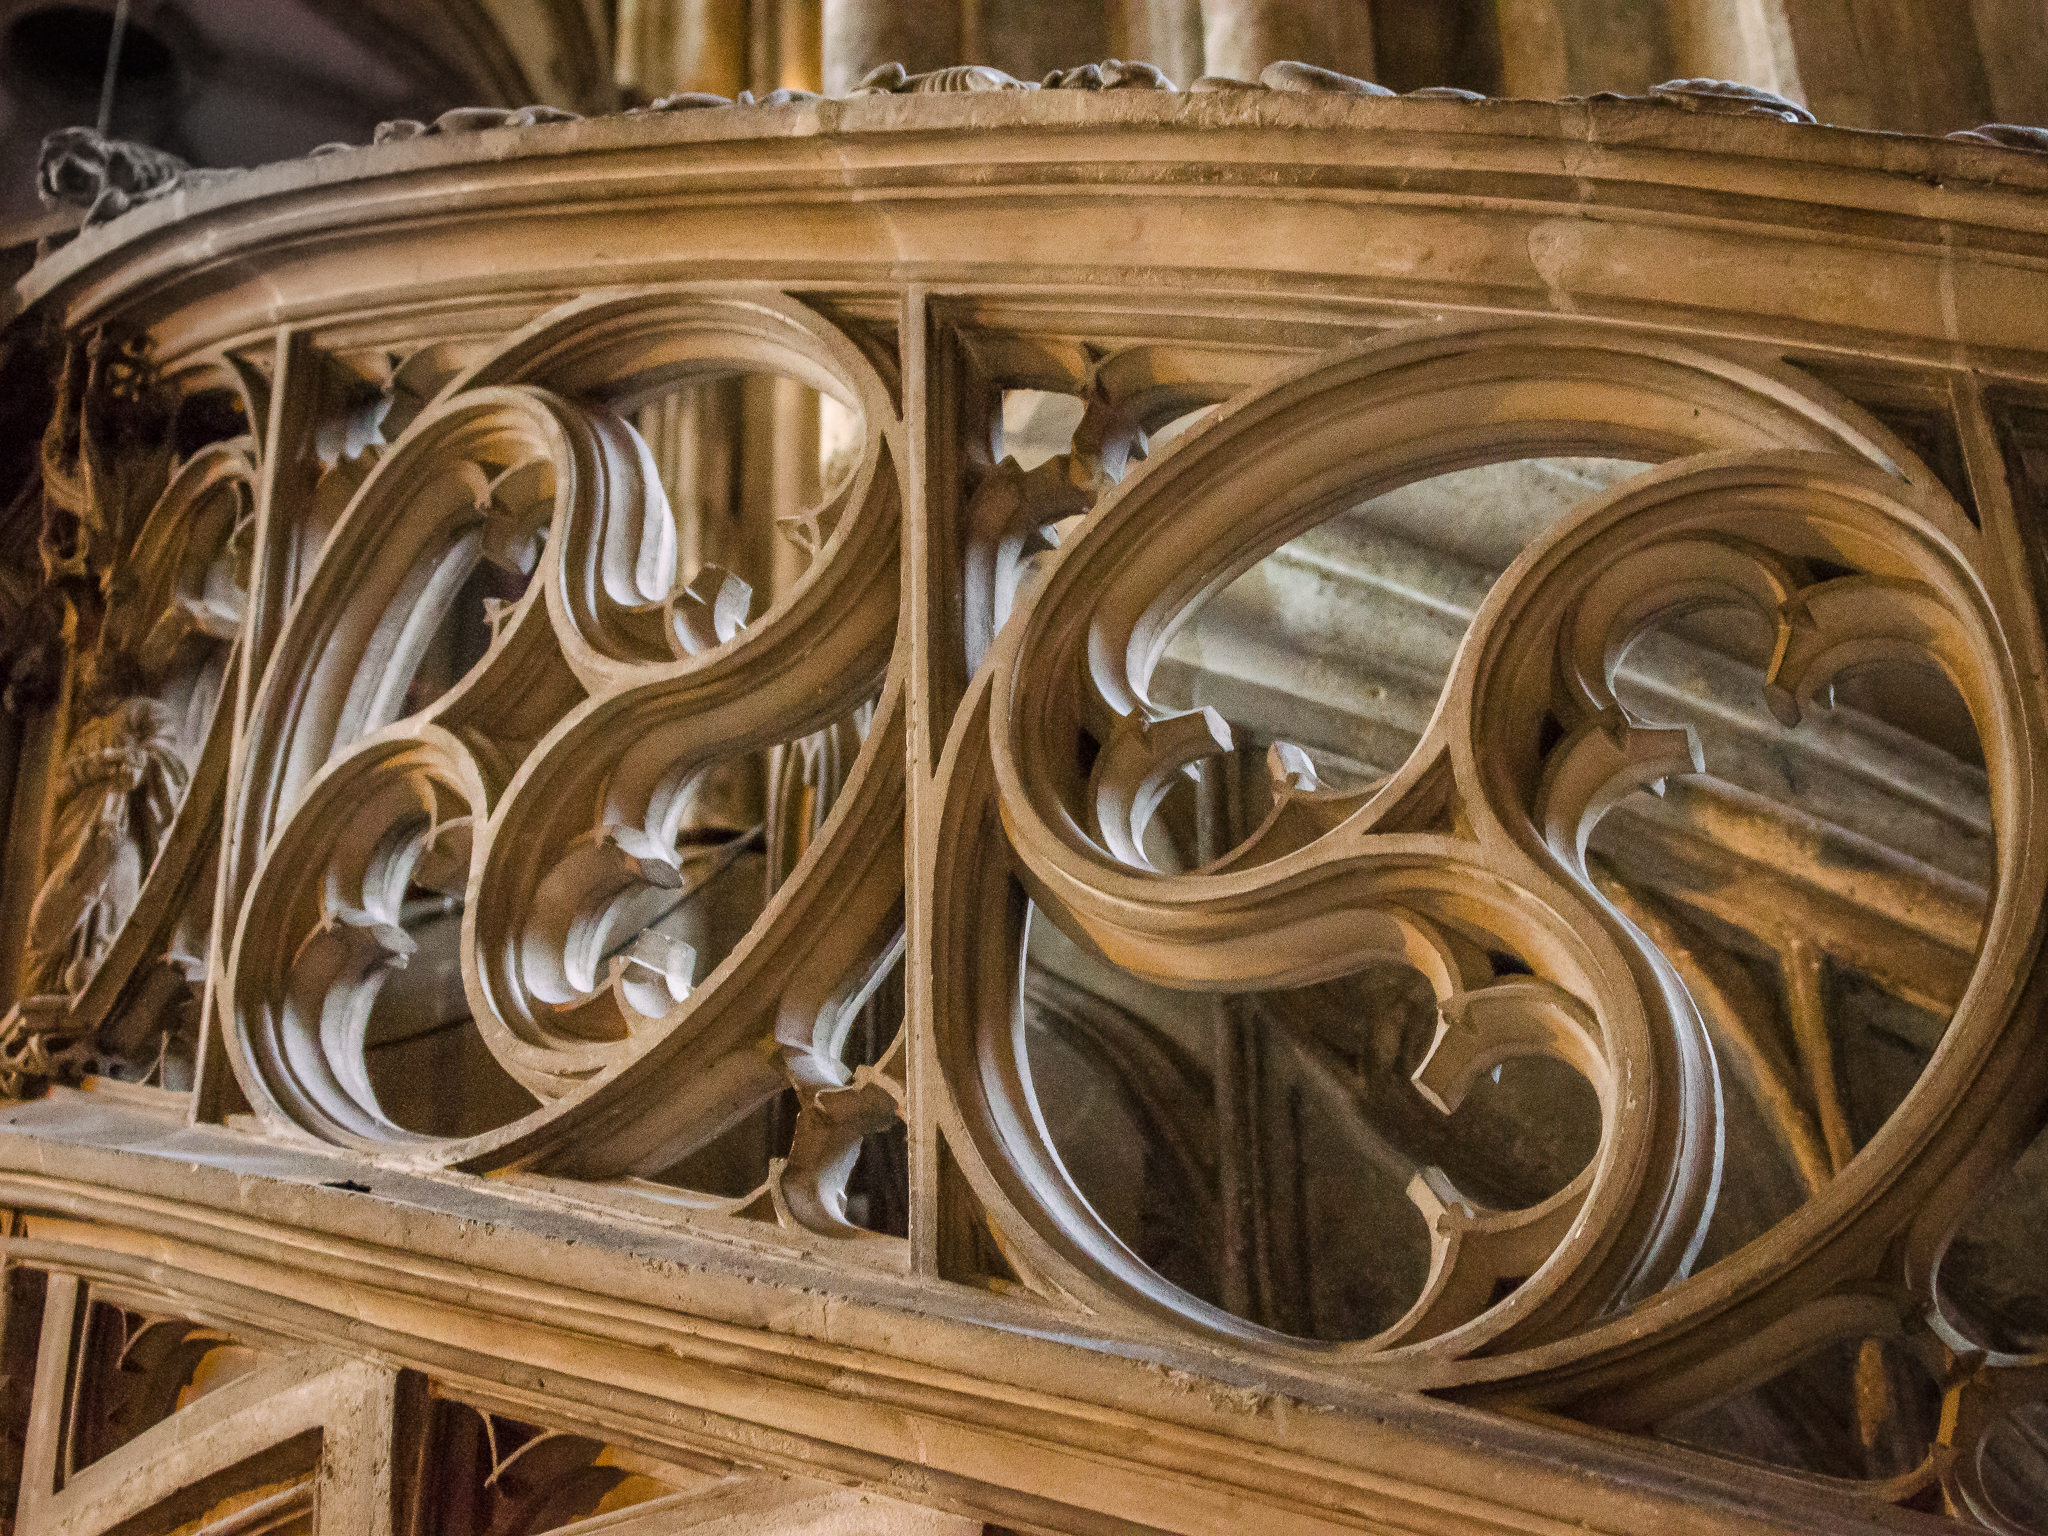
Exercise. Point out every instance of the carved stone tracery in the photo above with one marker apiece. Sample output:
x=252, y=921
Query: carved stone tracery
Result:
x=597, y=726
x=628, y=854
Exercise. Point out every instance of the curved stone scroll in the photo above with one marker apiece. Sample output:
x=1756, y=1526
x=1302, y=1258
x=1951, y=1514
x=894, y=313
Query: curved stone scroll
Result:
x=542, y=794
x=1475, y=846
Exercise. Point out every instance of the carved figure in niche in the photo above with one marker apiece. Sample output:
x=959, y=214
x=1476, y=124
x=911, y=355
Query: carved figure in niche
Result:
x=146, y=569
x=107, y=456
x=119, y=787
x=121, y=784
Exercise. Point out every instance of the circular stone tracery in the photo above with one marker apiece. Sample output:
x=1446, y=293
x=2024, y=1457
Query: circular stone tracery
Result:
x=1477, y=842
x=587, y=737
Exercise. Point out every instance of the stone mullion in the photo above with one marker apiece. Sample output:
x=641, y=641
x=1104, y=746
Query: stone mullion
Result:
x=286, y=481
x=1237, y=1130
x=1241, y=1261
x=2012, y=532
x=758, y=491
x=1806, y=1007
x=43, y=1448
x=357, y=1487
x=1290, y=1245
x=2016, y=566
x=793, y=488
x=926, y=574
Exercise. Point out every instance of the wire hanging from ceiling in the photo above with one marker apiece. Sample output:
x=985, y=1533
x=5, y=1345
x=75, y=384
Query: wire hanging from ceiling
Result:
x=106, y=122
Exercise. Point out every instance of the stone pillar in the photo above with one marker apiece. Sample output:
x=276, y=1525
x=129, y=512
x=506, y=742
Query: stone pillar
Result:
x=2013, y=37
x=861, y=34
x=1617, y=47
x=642, y=41
x=1031, y=38
x=794, y=485
x=1533, y=61
x=799, y=45
x=1418, y=43
x=711, y=46
x=1743, y=40
x=1241, y=37
x=666, y=46
x=1163, y=33
x=1898, y=65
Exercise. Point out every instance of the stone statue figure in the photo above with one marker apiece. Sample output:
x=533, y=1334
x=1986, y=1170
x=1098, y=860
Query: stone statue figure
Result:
x=106, y=177
x=119, y=786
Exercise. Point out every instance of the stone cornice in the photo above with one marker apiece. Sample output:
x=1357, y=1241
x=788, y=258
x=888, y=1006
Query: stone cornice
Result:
x=1917, y=247
x=1001, y=1408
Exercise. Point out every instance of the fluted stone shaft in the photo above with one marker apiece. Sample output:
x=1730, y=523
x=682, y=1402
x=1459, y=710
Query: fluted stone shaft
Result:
x=1745, y=40
x=1166, y=33
x=1241, y=37
x=683, y=45
x=861, y=34
x=1029, y=38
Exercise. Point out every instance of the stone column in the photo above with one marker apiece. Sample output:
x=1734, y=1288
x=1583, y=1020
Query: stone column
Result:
x=1744, y=40
x=794, y=486
x=711, y=46
x=1901, y=66
x=1533, y=61
x=1163, y=33
x=861, y=34
x=799, y=45
x=666, y=46
x=1241, y=37
x=1031, y=38
x=1418, y=43
x=641, y=45
x=2013, y=37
